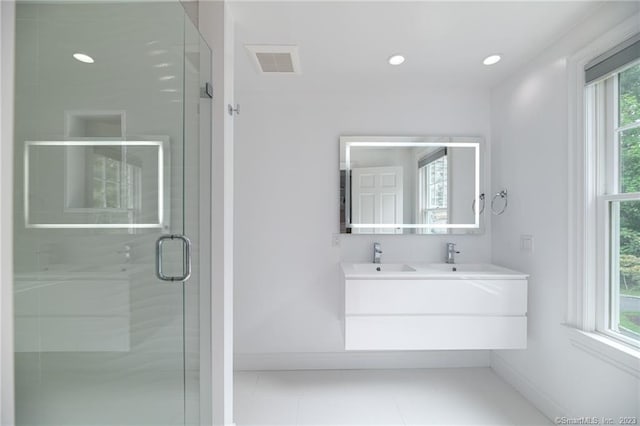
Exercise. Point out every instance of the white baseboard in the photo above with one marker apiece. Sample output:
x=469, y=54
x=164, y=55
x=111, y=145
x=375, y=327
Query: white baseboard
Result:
x=360, y=360
x=536, y=396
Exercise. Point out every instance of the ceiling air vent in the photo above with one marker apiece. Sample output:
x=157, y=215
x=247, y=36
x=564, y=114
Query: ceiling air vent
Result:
x=275, y=59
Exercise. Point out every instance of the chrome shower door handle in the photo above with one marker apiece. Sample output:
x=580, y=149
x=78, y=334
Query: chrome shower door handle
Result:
x=186, y=273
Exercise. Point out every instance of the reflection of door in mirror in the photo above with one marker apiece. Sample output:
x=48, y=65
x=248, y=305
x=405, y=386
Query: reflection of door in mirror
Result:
x=377, y=198
x=433, y=189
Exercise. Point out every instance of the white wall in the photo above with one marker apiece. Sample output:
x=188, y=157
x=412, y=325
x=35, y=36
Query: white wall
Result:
x=530, y=133
x=216, y=26
x=287, y=298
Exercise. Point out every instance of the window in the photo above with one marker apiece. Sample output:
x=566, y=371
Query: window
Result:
x=613, y=130
x=433, y=189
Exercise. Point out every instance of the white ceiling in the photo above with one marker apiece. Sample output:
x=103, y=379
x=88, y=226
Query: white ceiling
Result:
x=346, y=43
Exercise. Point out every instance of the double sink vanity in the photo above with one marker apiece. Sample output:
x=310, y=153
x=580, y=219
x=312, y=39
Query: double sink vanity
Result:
x=427, y=186
x=426, y=306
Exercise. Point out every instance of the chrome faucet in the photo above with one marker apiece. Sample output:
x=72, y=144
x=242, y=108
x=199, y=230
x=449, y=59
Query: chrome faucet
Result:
x=377, y=253
x=451, y=253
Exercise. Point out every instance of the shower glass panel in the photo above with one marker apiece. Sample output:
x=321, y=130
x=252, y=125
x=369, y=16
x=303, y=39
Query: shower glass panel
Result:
x=107, y=161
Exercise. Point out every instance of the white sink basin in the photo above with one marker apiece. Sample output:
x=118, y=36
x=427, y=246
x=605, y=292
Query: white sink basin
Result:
x=382, y=267
x=463, y=268
x=420, y=270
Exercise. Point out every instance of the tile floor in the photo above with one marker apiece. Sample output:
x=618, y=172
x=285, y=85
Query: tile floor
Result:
x=108, y=398
x=461, y=396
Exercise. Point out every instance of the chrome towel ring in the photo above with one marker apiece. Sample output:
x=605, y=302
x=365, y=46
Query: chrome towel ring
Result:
x=503, y=195
x=473, y=204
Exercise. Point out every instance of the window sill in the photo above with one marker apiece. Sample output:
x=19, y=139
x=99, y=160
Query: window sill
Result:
x=615, y=353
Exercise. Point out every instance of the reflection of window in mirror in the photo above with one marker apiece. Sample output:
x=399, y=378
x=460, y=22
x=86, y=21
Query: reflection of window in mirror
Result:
x=102, y=178
x=116, y=183
x=433, y=190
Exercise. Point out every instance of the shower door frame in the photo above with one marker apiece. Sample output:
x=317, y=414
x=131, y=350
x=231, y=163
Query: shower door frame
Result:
x=7, y=82
x=7, y=47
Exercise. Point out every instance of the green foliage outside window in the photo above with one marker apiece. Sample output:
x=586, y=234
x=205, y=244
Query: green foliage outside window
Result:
x=629, y=165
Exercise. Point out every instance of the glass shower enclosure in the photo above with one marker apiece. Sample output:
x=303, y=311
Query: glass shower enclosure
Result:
x=112, y=109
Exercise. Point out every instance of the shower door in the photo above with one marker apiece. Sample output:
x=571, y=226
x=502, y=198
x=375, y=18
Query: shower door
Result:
x=106, y=243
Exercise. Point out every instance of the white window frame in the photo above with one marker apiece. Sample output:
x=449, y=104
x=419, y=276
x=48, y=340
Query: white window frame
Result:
x=426, y=189
x=601, y=113
x=128, y=182
x=424, y=195
x=584, y=318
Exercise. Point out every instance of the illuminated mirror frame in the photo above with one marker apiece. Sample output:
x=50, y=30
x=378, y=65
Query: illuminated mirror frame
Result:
x=348, y=142
x=76, y=143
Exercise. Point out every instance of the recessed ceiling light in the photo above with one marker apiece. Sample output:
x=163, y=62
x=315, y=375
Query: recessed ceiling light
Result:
x=396, y=59
x=83, y=58
x=490, y=60
x=167, y=77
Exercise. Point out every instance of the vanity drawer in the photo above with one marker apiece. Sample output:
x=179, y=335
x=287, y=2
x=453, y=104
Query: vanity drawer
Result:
x=436, y=296
x=430, y=332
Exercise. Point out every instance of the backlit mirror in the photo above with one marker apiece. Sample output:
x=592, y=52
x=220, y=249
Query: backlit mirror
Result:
x=96, y=184
x=410, y=185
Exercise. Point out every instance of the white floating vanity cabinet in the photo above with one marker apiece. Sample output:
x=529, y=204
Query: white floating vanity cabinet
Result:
x=433, y=307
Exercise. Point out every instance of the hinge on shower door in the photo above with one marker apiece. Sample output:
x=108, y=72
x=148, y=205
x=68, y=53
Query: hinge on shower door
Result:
x=208, y=90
